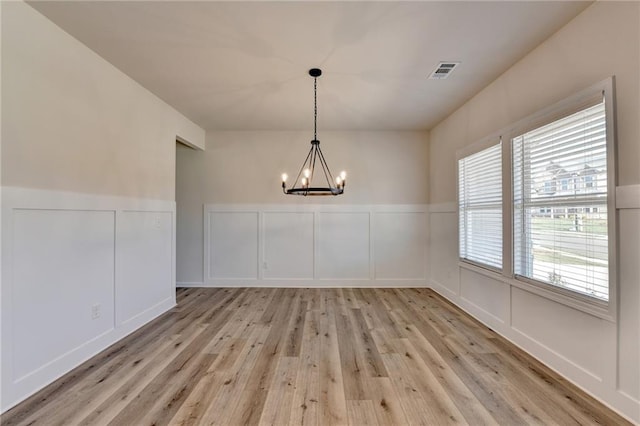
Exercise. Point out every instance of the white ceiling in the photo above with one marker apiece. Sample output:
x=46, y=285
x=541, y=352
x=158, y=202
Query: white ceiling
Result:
x=243, y=65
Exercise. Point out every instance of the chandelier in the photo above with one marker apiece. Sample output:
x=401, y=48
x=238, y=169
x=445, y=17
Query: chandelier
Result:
x=315, y=165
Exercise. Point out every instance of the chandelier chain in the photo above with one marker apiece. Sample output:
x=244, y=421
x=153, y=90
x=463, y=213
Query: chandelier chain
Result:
x=315, y=107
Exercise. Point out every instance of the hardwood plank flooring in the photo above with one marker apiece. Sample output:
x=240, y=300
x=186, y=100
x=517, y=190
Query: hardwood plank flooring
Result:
x=267, y=356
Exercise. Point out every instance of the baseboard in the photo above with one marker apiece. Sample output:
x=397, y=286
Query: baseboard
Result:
x=307, y=284
x=187, y=284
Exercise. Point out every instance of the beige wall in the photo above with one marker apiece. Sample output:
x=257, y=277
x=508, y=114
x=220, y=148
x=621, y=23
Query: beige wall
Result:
x=73, y=122
x=603, y=41
x=245, y=168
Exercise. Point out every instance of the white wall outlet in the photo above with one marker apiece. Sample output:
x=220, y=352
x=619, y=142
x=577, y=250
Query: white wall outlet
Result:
x=158, y=222
x=265, y=265
x=95, y=311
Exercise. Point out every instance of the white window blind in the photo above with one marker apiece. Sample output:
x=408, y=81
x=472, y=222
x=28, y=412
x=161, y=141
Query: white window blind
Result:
x=560, y=203
x=480, y=207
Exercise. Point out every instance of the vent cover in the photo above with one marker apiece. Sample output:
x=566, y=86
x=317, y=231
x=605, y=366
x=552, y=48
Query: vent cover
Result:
x=443, y=70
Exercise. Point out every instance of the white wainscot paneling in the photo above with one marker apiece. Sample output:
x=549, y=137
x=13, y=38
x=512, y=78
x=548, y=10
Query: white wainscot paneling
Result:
x=288, y=245
x=232, y=245
x=144, y=265
x=63, y=266
x=582, y=341
x=443, y=251
x=487, y=296
x=400, y=245
x=343, y=246
x=628, y=312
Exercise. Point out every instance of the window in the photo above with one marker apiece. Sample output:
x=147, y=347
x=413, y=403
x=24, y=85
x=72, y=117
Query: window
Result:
x=568, y=247
x=480, y=207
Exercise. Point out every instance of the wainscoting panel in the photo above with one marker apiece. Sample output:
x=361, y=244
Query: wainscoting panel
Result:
x=144, y=268
x=443, y=253
x=315, y=245
x=401, y=246
x=233, y=245
x=63, y=262
x=486, y=295
x=344, y=246
x=574, y=335
x=79, y=272
x=288, y=245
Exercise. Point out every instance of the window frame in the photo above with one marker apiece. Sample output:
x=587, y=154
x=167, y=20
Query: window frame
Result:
x=606, y=310
x=485, y=143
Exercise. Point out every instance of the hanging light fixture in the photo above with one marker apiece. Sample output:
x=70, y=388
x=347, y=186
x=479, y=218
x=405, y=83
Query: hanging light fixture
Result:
x=303, y=185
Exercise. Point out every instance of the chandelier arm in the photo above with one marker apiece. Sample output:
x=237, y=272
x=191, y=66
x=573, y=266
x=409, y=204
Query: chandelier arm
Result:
x=323, y=163
x=325, y=168
x=302, y=168
x=313, y=161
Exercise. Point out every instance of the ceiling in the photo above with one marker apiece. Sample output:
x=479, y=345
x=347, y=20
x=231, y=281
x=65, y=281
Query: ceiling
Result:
x=243, y=65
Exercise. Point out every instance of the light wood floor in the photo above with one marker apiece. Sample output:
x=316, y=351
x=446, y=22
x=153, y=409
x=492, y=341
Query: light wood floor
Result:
x=311, y=356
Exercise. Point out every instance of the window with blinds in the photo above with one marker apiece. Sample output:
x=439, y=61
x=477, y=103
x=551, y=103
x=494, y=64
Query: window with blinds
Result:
x=560, y=203
x=480, y=207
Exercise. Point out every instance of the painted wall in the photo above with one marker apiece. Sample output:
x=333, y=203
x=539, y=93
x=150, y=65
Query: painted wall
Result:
x=384, y=168
x=73, y=122
x=601, y=356
x=88, y=211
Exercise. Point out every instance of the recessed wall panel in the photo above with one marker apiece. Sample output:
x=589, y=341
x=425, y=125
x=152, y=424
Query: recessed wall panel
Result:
x=489, y=295
x=575, y=335
x=629, y=313
x=343, y=246
x=144, y=267
x=63, y=283
x=400, y=245
x=233, y=245
x=288, y=245
x=443, y=253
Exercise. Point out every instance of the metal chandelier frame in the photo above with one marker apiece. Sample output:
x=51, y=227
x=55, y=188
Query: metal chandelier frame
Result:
x=303, y=183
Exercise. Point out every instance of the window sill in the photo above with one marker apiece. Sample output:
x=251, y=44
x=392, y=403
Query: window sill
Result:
x=578, y=302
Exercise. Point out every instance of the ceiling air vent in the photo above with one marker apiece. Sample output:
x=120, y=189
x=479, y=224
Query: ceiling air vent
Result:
x=443, y=70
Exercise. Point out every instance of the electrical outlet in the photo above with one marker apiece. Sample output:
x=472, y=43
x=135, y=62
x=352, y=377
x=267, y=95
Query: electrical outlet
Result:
x=158, y=222
x=95, y=311
x=265, y=265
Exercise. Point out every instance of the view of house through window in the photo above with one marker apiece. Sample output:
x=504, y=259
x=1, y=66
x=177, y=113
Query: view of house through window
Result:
x=560, y=203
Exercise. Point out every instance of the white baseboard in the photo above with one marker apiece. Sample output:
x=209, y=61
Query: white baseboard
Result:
x=187, y=284
x=307, y=284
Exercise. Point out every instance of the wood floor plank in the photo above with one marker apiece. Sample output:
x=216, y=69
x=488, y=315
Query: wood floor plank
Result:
x=207, y=388
x=332, y=404
x=219, y=412
x=365, y=345
x=386, y=404
x=351, y=363
x=361, y=413
x=275, y=356
x=304, y=410
x=253, y=397
x=277, y=406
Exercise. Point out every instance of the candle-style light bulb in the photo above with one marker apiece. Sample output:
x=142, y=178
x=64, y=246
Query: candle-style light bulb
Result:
x=284, y=177
x=304, y=182
x=307, y=173
x=343, y=175
x=338, y=181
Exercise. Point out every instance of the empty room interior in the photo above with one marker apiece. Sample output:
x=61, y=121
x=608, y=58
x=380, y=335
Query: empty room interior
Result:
x=320, y=213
